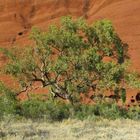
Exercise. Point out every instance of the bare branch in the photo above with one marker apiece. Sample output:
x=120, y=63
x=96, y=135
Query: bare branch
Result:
x=24, y=90
x=60, y=95
x=37, y=79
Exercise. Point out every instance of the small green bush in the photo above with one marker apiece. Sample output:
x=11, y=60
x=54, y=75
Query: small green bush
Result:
x=134, y=113
x=104, y=110
x=8, y=102
x=111, y=111
x=49, y=110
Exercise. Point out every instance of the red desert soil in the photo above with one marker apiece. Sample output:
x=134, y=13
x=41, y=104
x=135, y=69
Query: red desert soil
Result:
x=18, y=16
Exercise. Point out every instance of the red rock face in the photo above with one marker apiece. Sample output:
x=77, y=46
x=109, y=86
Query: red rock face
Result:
x=18, y=16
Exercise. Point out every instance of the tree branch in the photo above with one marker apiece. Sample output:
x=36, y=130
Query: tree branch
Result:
x=24, y=90
x=60, y=95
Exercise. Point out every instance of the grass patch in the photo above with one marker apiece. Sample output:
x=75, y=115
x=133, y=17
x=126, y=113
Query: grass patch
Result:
x=119, y=129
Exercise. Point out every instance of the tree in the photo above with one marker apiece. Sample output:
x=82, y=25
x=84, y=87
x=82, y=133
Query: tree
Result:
x=69, y=60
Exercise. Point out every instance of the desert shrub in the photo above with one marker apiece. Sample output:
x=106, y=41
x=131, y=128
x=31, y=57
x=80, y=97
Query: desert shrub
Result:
x=33, y=109
x=60, y=112
x=83, y=111
x=103, y=110
x=111, y=111
x=49, y=110
x=8, y=102
x=134, y=113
